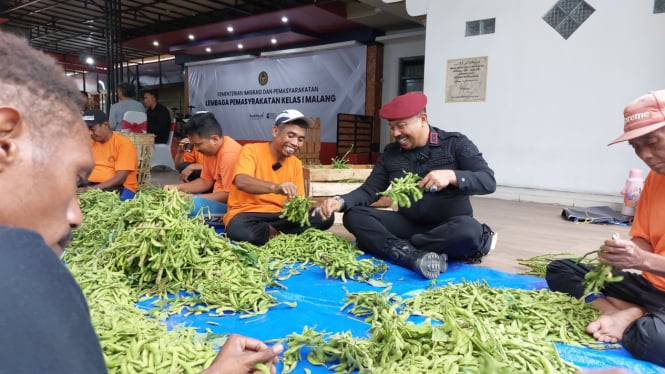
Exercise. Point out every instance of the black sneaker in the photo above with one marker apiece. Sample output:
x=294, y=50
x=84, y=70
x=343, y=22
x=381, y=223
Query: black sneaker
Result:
x=429, y=265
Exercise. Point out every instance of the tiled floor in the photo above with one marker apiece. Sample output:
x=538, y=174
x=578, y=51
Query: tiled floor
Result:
x=159, y=176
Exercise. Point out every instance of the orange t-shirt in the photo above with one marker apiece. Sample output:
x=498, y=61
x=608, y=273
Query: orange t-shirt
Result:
x=219, y=168
x=256, y=160
x=193, y=157
x=649, y=218
x=116, y=154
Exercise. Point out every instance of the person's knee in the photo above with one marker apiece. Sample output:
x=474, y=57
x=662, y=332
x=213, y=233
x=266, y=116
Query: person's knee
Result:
x=355, y=215
x=554, y=268
x=326, y=223
x=244, y=236
x=554, y=271
x=645, y=338
x=466, y=230
x=240, y=232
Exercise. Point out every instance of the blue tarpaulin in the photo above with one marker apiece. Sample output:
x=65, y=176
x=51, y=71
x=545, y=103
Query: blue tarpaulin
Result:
x=319, y=300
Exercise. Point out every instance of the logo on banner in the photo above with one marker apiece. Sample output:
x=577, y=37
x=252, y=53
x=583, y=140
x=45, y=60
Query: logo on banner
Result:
x=256, y=116
x=263, y=78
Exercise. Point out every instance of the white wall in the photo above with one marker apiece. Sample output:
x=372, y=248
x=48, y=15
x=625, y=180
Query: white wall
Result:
x=395, y=47
x=552, y=104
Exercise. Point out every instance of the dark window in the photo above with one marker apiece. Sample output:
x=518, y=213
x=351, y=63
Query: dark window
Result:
x=480, y=27
x=411, y=74
x=658, y=6
x=567, y=15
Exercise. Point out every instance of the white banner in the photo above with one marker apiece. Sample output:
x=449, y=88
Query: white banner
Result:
x=246, y=96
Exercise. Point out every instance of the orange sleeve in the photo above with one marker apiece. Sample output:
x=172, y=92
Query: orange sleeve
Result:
x=648, y=222
x=640, y=227
x=226, y=165
x=127, y=157
x=193, y=157
x=189, y=157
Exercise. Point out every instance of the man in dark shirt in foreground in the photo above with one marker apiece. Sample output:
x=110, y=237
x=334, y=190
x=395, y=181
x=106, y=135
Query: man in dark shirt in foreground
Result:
x=441, y=224
x=45, y=324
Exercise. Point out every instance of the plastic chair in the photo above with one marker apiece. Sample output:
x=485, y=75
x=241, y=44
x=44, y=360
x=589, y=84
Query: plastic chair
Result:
x=135, y=122
x=161, y=155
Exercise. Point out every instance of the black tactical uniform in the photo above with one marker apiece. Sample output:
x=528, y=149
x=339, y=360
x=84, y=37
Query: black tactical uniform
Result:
x=442, y=221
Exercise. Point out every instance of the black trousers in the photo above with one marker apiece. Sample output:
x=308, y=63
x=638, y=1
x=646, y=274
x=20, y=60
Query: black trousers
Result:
x=645, y=337
x=255, y=227
x=461, y=237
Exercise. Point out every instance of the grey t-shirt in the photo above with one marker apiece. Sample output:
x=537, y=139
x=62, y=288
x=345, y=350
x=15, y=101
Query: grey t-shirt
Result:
x=118, y=110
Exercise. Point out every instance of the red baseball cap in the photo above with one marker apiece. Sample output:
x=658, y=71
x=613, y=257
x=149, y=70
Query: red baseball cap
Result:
x=642, y=116
x=403, y=106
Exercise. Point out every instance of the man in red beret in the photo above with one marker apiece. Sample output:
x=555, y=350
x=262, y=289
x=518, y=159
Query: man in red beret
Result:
x=440, y=225
x=632, y=310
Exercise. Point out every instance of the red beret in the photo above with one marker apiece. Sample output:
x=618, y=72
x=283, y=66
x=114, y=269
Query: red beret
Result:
x=403, y=106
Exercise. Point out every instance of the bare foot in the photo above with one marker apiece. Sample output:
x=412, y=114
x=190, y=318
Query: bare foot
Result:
x=609, y=328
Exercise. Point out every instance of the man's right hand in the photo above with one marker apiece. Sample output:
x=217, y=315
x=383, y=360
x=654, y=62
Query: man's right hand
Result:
x=182, y=146
x=328, y=207
x=287, y=188
x=240, y=354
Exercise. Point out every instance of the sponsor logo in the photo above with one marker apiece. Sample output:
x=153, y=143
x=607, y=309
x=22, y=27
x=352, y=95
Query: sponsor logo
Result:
x=257, y=116
x=271, y=115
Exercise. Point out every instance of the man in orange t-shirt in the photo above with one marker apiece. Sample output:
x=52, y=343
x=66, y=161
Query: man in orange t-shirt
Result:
x=220, y=154
x=265, y=176
x=188, y=161
x=116, y=158
x=632, y=310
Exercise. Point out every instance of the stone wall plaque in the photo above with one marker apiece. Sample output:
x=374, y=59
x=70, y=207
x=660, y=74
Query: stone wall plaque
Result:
x=466, y=79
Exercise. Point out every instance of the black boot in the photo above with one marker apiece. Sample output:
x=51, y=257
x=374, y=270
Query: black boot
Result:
x=427, y=264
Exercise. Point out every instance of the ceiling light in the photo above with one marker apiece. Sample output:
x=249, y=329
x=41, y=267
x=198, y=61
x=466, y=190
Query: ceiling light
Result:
x=273, y=41
x=208, y=49
x=155, y=43
x=240, y=46
x=284, y=19
x=191, y=36
x=229, y=28
x=90, y=61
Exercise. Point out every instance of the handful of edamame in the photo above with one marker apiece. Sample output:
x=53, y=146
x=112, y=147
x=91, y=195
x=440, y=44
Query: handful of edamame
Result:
x=402, y=191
